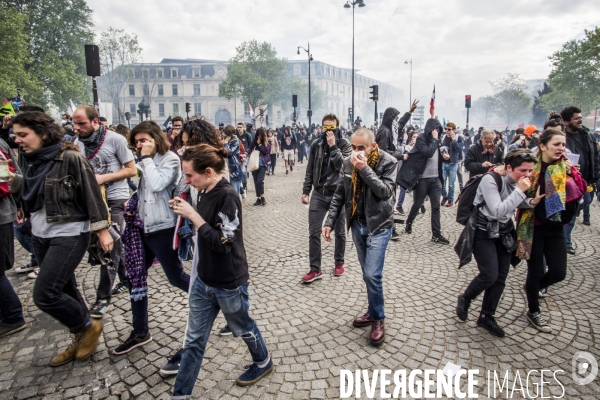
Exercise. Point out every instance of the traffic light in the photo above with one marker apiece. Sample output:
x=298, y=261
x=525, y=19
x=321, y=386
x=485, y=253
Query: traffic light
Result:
x=188, y=107
x=261, y=112
x=374, y=92
x=468, y=101
x=380, y=115
x=127, y=115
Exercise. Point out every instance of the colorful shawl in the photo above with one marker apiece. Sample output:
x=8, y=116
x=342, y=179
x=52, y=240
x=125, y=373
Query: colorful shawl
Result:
x=560, y=189
x=357, y=183
x=134, y=250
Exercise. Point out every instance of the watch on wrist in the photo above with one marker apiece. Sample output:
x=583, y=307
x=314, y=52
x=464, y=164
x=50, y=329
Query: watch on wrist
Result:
x=144, y=157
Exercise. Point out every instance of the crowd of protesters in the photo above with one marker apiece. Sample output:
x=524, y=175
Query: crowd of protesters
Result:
x=149, y=196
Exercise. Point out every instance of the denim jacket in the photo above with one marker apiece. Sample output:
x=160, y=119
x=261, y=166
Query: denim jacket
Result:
x=160, y=176
x=71, y=193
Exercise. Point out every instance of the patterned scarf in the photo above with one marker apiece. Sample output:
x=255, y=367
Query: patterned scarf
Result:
x=93, y=143
x=357, y=183
x=559, y=188
x=134, y=249
x=489, y=149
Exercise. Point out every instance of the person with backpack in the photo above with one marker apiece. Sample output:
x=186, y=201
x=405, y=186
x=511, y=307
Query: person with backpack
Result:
x=495, y=201
x=540, y=233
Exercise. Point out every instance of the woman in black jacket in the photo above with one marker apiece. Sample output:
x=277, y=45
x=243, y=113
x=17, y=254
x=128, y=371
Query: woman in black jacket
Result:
x=263, y=145
x=60, y=192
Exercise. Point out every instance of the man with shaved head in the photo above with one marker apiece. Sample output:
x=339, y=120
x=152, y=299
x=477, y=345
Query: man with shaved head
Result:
x=367, y=191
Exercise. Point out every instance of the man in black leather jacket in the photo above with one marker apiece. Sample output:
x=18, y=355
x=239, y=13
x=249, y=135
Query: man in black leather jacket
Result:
x=367, y=192
x=323, y=173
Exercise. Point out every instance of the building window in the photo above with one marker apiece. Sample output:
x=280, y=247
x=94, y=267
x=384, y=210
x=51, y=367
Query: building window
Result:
x=161, y=91
x=132, y=109
x=161, y=109
x=175, y=91
x=175, y=108
x=159, y=73
x=197, y=108
x=173, y=73
x=131, y=90
x=297, y=69
x=196, y=89
x=196, y=73
x=146, y=73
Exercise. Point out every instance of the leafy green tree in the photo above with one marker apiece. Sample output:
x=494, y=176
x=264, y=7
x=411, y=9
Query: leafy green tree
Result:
x=511, y=101
x=540, y=115
x=575, y=75
x=256, y=75
x=118, y=51
x=484, y=108
x=56, y=31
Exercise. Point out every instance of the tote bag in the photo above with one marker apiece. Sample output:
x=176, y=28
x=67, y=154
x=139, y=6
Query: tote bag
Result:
x=253, y=162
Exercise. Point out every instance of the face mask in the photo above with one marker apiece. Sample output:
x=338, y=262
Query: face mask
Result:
x=358, y=154
x=329, y=127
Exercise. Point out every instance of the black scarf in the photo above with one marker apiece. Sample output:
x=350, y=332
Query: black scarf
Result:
x=93, y=142
x=38, y=165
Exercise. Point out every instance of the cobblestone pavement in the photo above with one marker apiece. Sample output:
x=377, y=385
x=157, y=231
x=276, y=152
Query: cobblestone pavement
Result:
x=308, y=327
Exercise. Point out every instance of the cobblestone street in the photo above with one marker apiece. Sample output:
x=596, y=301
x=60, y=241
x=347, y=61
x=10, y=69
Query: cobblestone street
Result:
x=308, y=328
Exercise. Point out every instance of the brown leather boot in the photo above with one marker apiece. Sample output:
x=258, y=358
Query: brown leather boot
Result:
x=362, y=321
x=377, y=332
x=88, y=340
x=66, y=356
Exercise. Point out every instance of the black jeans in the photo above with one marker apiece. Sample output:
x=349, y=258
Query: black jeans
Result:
x=273, y=162
x=55, y=291
x=259, y=180
x=548, y=241
x=109, y=272
x=301, y=152
x=159, y=245
x=493, y=262
x=11, y=310
x=459, y=174
x=431, y=187
x=319, y=207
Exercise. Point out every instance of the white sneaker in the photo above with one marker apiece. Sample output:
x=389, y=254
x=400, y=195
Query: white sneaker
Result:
x=24, y=268
x=33, y=274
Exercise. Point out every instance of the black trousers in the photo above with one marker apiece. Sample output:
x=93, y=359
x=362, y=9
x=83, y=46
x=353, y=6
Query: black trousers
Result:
x=273, y=162
x=431, y=187
x=318, y=209
x=549, y=242
x=301, y=152
x=493, y=262
x=259, y=180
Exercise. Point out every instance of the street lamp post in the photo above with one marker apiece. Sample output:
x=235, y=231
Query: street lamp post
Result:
x=310, y=58
x=352, y=5
x=410, y=90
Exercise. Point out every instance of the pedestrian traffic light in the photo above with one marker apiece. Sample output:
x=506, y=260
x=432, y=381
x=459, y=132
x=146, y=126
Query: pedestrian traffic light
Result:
x=188, y=107
x=374, y=92
x=468, y=101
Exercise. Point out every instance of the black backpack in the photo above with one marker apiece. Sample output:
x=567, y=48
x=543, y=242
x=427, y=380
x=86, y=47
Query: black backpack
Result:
x=467, y=197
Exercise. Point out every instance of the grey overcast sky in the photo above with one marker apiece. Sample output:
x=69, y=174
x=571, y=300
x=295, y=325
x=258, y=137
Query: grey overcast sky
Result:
x=458, y=45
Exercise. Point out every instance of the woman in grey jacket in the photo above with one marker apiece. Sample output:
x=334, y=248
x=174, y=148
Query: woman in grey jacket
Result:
x=496, y=207
x=150, y=226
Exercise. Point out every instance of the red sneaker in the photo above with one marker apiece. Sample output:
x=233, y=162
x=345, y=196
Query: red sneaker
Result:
x=339, y=270
x=312, y=276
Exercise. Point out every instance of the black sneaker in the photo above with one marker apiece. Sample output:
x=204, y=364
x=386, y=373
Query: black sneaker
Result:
x=257, y=202
x=120, y=288
x=263, y=201
x=440, y=239
x=462, y=308
x=132, y=342
x=408, y=228
x=539, y=322
x=172, y=367
x=99, y=309
x=400, y=210
x=423, y=209
x=571, y=251
x=225, y=331
x=9, y=329
x=395, y=235
x=254, y=374
x=489, y=323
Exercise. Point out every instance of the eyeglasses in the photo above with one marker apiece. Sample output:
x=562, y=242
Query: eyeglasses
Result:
x=449, y=129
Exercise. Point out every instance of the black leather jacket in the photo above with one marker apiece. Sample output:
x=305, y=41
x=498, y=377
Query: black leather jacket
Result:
x=379, y=189
x=337, y=153
x=71, y=192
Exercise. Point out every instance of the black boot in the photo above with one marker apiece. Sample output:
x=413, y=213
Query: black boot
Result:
x=489, y=323
x=408, y=228
x=263, y=202
x=258, y=202
x=462, y=308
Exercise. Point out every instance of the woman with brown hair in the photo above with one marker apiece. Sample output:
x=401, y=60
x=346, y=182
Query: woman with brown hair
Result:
x=263, y=145
x=150, y=226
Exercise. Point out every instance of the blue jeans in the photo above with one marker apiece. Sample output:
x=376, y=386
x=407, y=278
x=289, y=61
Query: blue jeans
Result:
x=371, y=255
x=585, y=206
x=236, y=185
x=25, y=240
x=205, y=302
x=449, y=173
x=401, y=196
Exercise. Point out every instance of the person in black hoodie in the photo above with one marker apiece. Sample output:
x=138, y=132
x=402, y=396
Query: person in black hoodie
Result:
x=422, y=172
x=289, y=145
x=219, y=272
x=387, y=137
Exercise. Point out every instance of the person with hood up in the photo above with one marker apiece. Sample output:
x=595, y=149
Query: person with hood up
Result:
x=422, y=172
x=387, y=136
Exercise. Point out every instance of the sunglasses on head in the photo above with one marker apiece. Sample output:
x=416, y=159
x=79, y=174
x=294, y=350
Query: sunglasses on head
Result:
x=528, y=156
